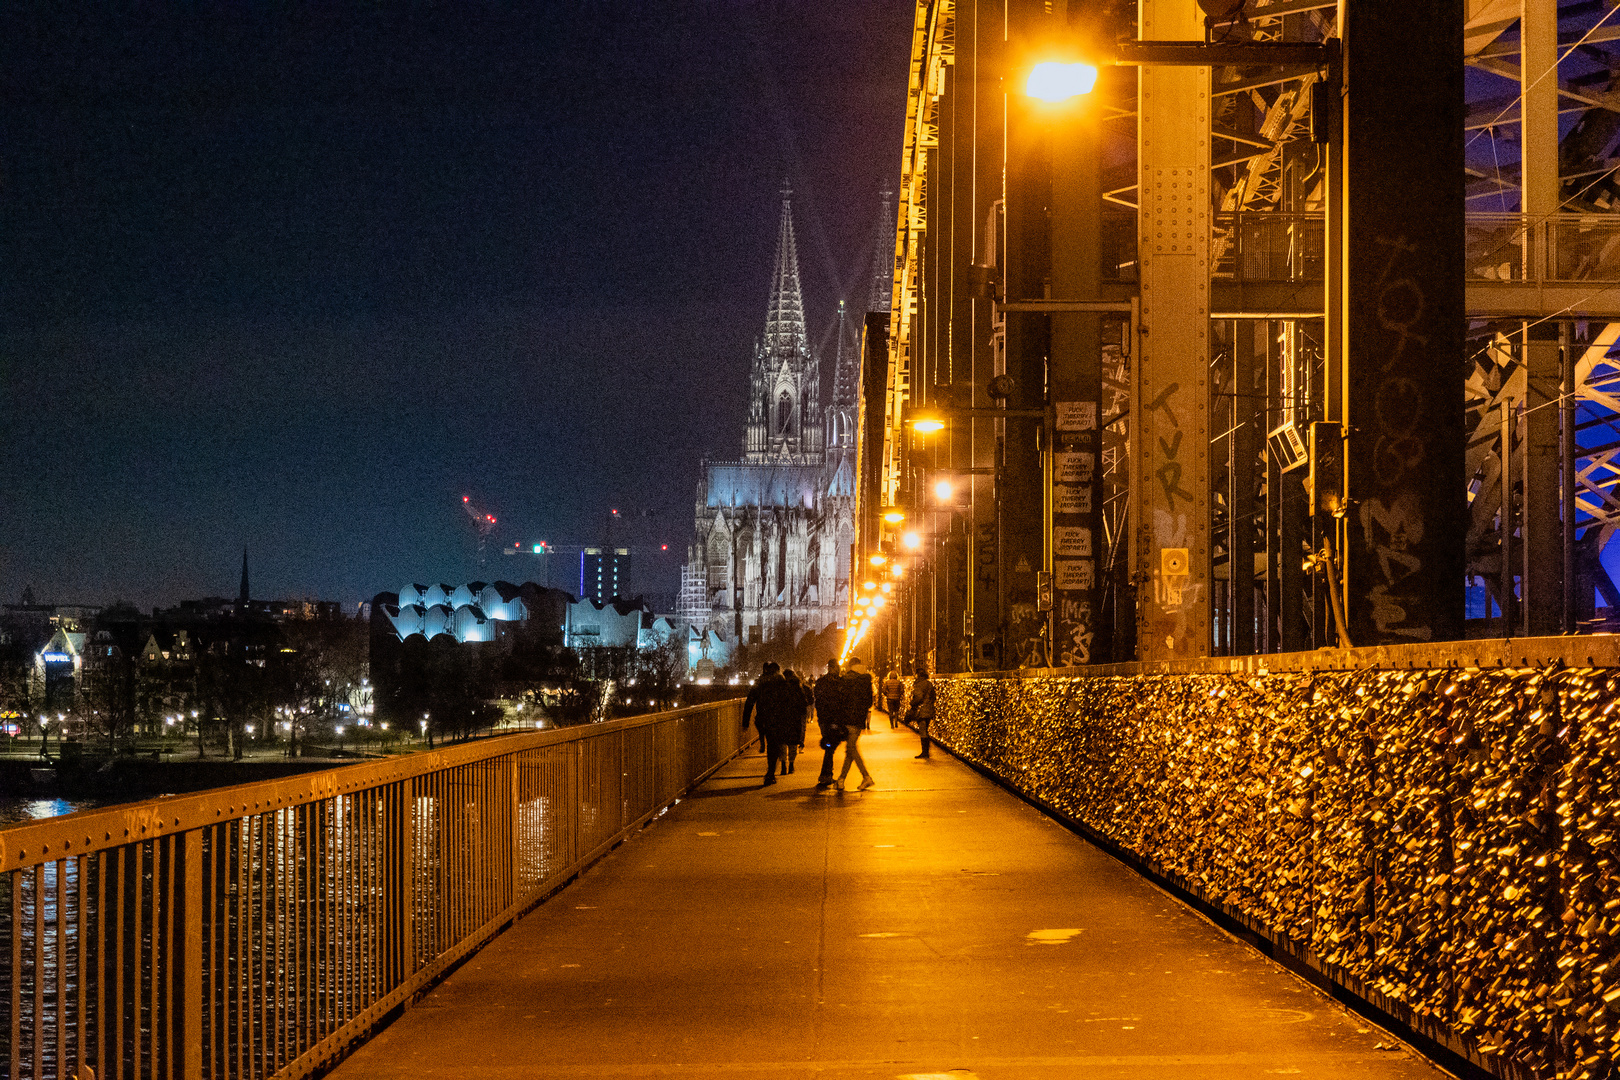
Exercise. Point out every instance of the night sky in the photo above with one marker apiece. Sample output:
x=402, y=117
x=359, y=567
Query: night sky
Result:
x=300, y=280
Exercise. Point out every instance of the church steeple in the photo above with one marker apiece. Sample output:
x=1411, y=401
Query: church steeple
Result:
x=883, y=258
x=242, y=594
x=784, y=415
x=784, y=316
x=847, y=370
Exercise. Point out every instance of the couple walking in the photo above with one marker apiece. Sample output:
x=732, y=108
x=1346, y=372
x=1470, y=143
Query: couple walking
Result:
x=779, y=705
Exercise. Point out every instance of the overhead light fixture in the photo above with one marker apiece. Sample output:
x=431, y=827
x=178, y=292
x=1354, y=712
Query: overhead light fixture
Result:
x=1053, y=82
x=927, y=425
x=944, y=490
x=912, y=540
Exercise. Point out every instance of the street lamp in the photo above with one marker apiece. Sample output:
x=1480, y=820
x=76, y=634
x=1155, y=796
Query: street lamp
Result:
x=944, y=490
x=1055, y=82
x=927, y=425
x=912, y=539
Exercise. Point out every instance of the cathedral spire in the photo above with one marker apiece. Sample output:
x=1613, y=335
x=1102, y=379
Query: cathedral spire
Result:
x=883, y=258
x=847, y=370
x=784, y=317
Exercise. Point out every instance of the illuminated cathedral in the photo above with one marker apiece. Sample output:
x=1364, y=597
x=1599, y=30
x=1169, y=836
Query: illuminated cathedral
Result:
x=771, y=561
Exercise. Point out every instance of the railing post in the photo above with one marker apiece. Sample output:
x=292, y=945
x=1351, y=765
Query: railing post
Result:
x=191, y=958
x=514, y=831
x=405, y=868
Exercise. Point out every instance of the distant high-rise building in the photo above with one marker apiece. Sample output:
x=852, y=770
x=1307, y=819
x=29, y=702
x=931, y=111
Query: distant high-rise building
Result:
x=604, y=574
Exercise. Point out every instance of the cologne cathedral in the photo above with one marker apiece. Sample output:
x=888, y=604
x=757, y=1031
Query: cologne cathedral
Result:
x=775, y=528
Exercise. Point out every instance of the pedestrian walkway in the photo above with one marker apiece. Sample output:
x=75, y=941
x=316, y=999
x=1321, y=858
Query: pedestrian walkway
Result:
x=934, y=926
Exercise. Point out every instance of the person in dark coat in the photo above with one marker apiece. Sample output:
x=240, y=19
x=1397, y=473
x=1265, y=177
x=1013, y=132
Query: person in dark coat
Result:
x=922, y=708
x=777, y=714
x=829, y=710
x=806, y=698
x=856, y=688
x=751, y=702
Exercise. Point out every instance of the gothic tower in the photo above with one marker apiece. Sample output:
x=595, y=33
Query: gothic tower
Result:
x=883, y=258
x=784, y=414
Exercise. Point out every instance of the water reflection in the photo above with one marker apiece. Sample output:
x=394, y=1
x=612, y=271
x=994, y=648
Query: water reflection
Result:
x=19, y=808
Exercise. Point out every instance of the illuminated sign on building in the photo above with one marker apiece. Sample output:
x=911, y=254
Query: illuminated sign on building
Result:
x=55, y=657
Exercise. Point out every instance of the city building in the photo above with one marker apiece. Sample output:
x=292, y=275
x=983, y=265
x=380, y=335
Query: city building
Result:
x=604, y=573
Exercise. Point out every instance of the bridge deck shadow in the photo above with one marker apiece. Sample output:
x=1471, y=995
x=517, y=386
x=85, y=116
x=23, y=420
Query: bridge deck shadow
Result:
x=932, y=925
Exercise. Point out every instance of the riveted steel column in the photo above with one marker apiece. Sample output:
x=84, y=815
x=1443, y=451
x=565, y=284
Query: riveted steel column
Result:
x=1022, y=483
x=1170, y=459
x=1542, y=601
x=1401, y=315
x=1076, y=379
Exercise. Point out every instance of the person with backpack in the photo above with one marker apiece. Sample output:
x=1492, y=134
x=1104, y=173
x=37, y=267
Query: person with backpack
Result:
x=921, y=711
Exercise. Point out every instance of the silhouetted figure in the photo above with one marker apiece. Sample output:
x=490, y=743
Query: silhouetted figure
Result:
x=893, y=690
x=778, y=706
x=921, y=712
x=857, y=710
x=806, y=698
x=829, y=710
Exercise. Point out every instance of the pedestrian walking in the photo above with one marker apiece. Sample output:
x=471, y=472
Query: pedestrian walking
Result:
x=806, y=699
x=829, y=710
x=751, y=702
x=777, y=713
x=893, y=690
x=856, y=686
x=921, y=710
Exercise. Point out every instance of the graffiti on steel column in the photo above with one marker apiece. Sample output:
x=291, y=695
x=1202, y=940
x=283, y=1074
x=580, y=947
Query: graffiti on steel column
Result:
x=1391, y=515
x=1169, y=473
x=1076, y=616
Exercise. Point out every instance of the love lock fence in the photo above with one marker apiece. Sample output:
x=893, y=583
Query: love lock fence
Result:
x=262, y=930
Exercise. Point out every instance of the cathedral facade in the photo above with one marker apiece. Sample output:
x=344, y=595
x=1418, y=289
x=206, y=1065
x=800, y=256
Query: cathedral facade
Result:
x=775, y=528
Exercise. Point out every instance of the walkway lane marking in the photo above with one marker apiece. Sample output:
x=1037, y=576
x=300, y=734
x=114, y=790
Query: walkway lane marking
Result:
x=1077, y=1066
x=1050, y=937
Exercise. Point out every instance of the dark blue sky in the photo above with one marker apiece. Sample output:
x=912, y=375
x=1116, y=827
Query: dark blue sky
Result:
x=299, y=280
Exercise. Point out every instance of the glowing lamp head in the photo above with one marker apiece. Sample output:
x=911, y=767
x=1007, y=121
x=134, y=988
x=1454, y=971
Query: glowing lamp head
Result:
x=879, y=560
x=1055, y=82
x=927, y=425
x=863, y=600
x=912, y=540
x=943, y=490
x=868, y=584
x=886, y=587
x=894, y=515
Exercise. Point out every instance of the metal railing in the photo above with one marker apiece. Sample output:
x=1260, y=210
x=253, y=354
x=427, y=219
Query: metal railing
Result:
x=1267, y=246
x=1560, y=247
x=261, y=930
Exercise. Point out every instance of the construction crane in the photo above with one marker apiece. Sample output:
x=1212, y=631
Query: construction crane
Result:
x=483, y=521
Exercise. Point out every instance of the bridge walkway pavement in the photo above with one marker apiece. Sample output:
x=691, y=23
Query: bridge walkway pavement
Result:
x=933, y=926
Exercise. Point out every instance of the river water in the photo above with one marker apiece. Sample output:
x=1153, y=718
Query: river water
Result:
x=18, y=808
